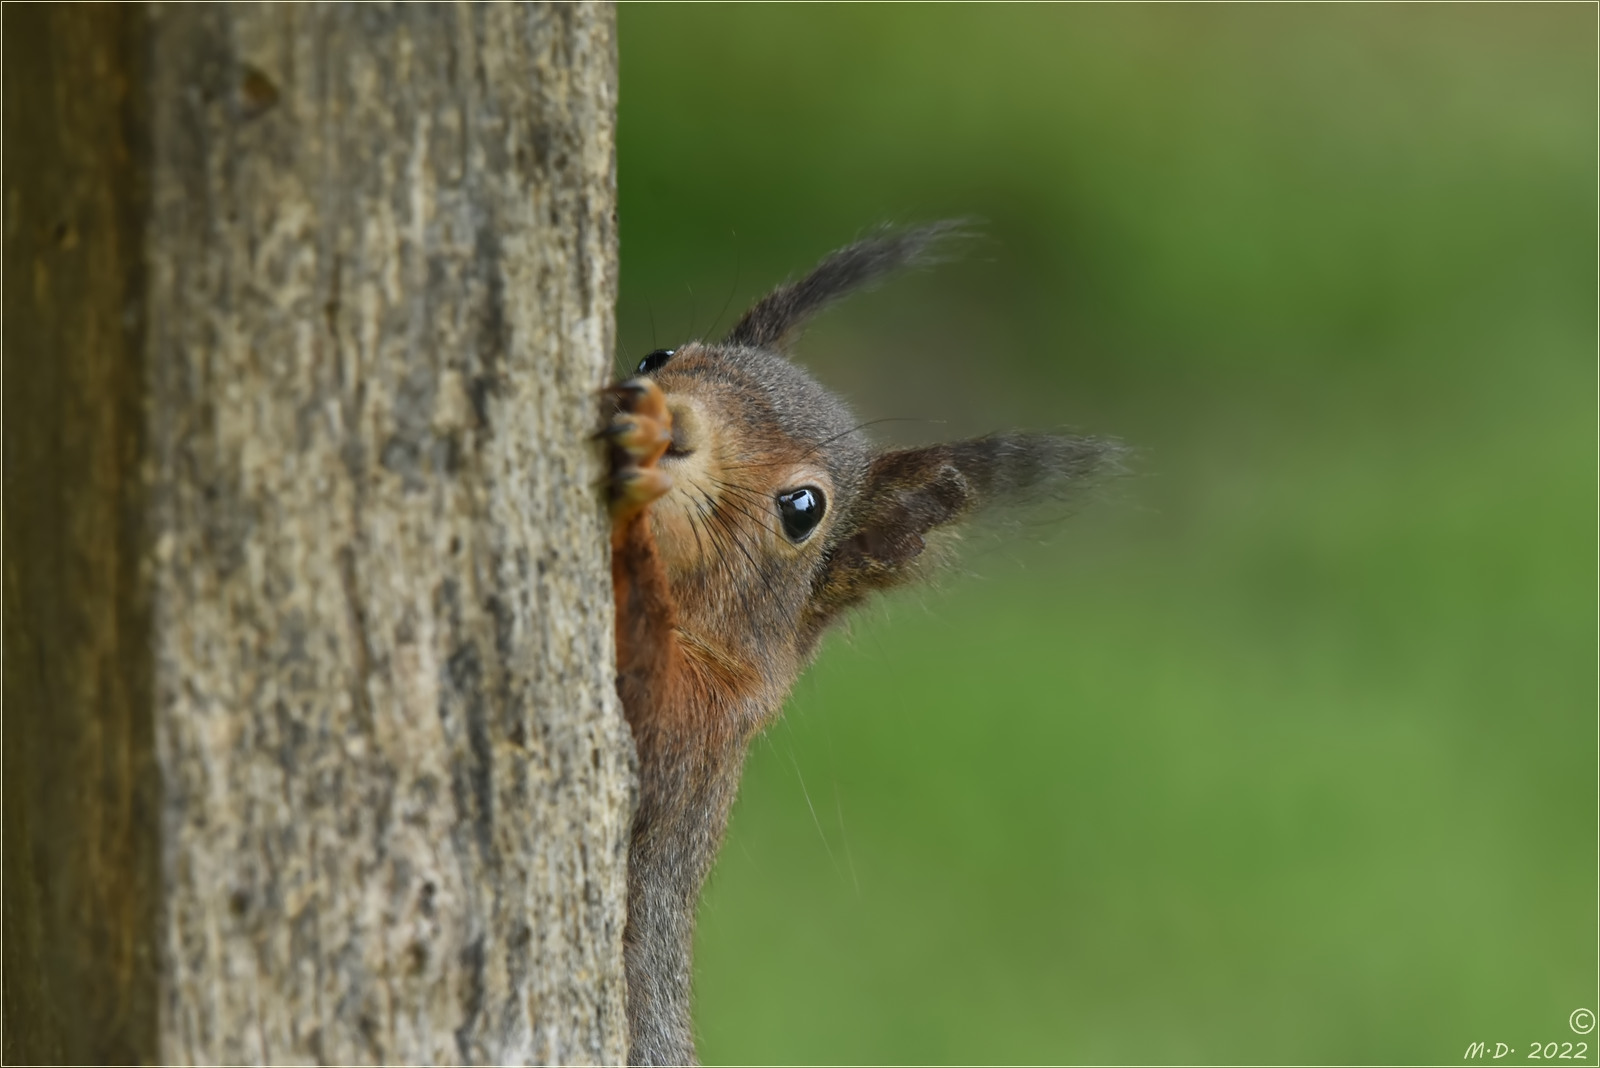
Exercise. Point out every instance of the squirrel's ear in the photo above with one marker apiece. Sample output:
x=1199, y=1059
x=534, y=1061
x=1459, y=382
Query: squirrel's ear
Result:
x=777, y=317
x=911, y=492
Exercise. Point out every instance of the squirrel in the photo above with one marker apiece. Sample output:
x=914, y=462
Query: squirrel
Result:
x=749, y=512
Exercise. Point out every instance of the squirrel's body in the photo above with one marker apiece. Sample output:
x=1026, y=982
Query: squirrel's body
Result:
x=749, y=511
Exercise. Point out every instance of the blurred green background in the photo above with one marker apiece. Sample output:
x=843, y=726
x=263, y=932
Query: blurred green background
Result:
x=1282, y=751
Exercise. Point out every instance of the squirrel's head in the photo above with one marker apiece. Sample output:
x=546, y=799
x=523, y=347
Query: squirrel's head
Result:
x=782, y=514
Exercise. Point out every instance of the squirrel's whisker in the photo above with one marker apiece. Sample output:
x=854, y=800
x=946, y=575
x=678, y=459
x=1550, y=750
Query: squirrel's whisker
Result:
x=733, y=534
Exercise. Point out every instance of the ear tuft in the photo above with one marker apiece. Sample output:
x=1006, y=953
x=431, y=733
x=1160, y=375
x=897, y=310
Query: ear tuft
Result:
x=777, y=317
x=910, y=493
x=1006, y=469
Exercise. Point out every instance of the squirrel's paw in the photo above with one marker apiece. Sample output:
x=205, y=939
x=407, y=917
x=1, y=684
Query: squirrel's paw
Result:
x=639, y=432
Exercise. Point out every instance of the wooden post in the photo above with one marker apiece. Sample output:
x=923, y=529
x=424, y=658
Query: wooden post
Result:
x=312, y=750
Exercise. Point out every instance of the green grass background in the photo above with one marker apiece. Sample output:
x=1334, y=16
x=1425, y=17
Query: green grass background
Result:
x=1284, y=750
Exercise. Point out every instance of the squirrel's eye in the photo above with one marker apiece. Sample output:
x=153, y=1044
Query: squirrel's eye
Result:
x=801, y=511
x=654, y=360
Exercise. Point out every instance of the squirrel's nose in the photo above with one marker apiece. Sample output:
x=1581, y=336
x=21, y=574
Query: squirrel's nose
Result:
x=685, y=424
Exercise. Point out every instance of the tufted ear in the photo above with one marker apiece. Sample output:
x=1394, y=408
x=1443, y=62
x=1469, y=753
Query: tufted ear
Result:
x=911, y=493
x=777, y=317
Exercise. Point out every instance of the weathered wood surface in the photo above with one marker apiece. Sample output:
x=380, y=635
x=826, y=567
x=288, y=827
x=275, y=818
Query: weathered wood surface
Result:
x=326, y=695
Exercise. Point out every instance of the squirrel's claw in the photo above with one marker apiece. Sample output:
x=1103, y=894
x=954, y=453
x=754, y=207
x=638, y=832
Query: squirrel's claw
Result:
x=634, y=488
x=639, y=433
x=641, y=438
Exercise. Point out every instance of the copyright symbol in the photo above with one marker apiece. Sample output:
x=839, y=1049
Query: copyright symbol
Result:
x=1581, y=1021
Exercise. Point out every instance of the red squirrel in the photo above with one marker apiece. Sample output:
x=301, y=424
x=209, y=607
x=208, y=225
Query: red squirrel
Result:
x=749, y=512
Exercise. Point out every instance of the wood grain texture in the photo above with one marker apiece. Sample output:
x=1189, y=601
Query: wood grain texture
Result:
x=373, y=311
